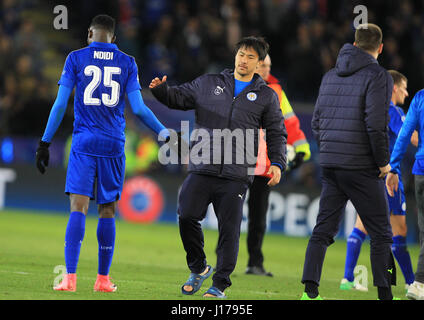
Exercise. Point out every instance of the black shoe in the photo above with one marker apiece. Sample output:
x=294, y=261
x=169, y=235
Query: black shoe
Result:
x=259, y=271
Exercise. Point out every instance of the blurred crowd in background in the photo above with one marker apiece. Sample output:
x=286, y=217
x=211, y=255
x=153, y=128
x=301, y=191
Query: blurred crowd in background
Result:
x=186, y=38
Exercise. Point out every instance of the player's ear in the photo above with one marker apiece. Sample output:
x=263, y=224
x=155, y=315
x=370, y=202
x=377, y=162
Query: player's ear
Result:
x=259, y=63
x=113, y=38
x=395, y=90
x=90, y=34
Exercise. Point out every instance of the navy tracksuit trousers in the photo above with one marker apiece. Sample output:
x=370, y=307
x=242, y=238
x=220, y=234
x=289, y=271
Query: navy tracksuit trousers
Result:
x=227, y=197
x=367, y=194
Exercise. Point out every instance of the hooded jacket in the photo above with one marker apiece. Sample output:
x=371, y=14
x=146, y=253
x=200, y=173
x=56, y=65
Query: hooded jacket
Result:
x=350, y=119
x=218, y=113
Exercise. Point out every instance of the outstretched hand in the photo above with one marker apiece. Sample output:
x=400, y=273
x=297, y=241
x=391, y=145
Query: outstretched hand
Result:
x=156, y=82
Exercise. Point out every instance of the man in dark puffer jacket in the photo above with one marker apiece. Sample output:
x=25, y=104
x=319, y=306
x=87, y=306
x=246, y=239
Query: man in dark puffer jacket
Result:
x=350, y=124
x=233, y=101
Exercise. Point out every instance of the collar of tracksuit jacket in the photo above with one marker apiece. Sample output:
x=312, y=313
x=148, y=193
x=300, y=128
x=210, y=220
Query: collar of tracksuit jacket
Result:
x=255, y=85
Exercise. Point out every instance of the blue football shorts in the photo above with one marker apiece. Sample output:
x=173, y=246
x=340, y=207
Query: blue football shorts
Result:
x=99, y=178
x=397, y=204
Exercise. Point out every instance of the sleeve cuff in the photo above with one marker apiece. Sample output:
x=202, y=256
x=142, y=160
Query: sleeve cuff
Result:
x=44, y=144
x=395, y=171
x=278, y=165
x=160, y=92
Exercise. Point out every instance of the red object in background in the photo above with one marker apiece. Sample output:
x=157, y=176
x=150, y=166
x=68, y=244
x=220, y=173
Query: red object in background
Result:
x=152, y=197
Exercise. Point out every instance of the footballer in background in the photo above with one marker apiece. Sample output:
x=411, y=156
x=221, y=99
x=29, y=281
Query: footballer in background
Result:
x=397, y=204
x=102, y=75
x=298, y=151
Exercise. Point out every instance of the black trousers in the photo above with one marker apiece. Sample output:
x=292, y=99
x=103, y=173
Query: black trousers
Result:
x=256, y=228
x=368, y=196
x=227, y=197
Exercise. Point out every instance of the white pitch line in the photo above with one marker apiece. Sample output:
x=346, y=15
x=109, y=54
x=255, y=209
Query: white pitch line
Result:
x=15, y=272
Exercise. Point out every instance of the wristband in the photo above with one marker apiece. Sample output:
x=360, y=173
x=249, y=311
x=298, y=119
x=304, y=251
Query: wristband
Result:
x=44, y=144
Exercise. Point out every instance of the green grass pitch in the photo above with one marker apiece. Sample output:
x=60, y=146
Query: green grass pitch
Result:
x=149, y=263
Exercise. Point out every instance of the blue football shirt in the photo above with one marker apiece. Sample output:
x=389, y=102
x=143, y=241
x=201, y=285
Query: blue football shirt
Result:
x=240, y=86
x=101, y=75
x=397, y=117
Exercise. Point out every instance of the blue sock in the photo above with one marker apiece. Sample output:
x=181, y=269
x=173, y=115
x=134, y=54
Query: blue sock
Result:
x=403, y=258
x=73, y=239
x=354, y=243
x=106, y=238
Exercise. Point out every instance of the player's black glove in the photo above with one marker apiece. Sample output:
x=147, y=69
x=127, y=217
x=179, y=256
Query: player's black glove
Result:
x=297, y=161
x=42, y=156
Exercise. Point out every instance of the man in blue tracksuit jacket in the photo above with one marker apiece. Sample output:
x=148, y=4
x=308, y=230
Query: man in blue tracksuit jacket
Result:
x=232, y=101
x=414, y=121
x=350, y=124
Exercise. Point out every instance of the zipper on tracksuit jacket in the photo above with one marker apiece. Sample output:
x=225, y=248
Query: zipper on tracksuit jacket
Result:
x=228, y=126
x=229, y=123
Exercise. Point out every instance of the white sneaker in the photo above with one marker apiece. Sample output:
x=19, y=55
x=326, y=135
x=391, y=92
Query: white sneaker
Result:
x=416, y=291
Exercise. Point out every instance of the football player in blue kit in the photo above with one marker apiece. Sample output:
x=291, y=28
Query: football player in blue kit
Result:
x=397, y=203
x=102, y=75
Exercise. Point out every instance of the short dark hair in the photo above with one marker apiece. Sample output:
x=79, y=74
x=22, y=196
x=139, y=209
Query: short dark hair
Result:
x=397, y=77
x=256, y=43
x=105, y=22
x=368, y=37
